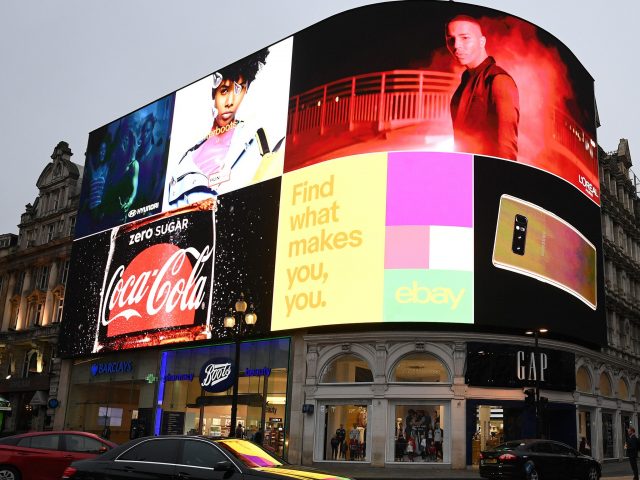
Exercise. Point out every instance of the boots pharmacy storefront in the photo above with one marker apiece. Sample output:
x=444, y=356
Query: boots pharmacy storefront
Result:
x=195, y=391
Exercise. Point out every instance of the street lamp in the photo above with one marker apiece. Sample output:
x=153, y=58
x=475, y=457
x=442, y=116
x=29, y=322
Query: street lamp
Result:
x=537, y=370
x=233, y=322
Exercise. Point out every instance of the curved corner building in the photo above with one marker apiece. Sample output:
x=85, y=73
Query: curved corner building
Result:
x=349, y=253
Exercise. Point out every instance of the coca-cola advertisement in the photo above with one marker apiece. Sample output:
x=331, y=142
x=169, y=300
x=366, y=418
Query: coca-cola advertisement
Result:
x=171, y=278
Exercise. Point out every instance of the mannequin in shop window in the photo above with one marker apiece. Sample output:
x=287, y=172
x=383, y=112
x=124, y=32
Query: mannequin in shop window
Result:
x=401, y=446
x=335, y=443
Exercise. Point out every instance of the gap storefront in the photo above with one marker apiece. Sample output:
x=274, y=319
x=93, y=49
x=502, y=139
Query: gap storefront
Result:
x=185, y=406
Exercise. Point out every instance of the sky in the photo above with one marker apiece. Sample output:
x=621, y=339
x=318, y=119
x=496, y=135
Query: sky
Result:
x=70, y=66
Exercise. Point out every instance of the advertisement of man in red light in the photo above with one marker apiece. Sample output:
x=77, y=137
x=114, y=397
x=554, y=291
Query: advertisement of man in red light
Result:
x=443, y=77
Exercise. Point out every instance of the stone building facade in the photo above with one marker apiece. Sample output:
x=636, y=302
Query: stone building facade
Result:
x=34, y=266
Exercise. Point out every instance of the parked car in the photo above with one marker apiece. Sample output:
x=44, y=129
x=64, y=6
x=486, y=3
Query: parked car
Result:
x=192, y=457
x=537, y=459
x=45, y=455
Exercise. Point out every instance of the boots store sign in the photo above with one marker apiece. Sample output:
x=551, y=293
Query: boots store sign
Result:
x=217, y=375
x=516, y=366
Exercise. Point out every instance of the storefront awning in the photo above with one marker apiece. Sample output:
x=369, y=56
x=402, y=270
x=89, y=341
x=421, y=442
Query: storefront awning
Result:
x=39, y=399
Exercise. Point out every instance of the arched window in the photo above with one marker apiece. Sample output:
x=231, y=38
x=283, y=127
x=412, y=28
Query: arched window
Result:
x=30, y=363
x=420, y=367
x=583, y=380
x=623, y=390
x=605, y=385
x=347, y=369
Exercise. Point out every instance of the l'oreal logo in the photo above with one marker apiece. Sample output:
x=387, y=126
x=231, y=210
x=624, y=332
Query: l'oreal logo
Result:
x=437, y=295
x=591, y=190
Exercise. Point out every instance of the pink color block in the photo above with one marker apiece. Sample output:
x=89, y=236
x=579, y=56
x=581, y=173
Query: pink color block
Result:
x=430, y=188
x=406, y=246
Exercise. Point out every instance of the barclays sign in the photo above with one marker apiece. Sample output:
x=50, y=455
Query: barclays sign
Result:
x=111, y=367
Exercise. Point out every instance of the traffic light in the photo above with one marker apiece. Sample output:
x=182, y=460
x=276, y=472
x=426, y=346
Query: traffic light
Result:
x=530, y=396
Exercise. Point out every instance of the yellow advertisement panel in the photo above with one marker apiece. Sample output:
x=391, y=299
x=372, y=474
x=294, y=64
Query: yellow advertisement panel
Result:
x=332, y=224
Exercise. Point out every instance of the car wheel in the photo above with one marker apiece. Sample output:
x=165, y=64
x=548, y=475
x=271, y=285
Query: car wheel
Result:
x=533, y=474
x=9, y=473
x=592, y=474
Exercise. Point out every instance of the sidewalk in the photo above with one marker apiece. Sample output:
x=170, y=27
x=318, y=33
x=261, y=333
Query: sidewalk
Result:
x=610, y=470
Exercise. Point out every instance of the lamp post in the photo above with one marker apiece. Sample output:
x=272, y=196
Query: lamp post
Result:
x=235, y=327
x=537, y=370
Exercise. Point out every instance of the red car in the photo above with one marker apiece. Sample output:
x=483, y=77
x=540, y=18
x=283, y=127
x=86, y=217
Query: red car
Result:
x=45, y=455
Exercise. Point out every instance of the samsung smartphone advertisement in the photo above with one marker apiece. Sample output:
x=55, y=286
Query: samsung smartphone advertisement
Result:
x=443, y=173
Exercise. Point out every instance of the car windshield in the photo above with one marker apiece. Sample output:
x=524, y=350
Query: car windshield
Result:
x=249, y=453
x=509, y=446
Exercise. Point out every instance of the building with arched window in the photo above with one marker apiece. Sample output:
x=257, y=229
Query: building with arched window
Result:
x=381, y=282
x=34, y=266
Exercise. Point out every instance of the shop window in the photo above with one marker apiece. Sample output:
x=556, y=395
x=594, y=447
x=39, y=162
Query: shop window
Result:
x=623, y=390
x=583, y=380
x=637, y=390
x=607, y=435
x=420, y=367
x=347, y=369
x=489, y=430
x=111, y=417
x=605, y=385
x=419, y=433
x=345, y=437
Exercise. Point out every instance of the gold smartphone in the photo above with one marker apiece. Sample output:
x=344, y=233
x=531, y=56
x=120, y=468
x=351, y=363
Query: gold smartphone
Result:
x=535, y=242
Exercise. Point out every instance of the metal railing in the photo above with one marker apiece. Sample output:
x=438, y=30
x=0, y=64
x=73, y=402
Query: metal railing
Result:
x=393, y=99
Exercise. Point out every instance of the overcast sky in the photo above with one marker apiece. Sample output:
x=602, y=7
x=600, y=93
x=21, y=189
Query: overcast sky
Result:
x=70, y=66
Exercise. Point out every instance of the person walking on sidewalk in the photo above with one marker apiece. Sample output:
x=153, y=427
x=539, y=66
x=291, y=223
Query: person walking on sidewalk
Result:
x=632, y=450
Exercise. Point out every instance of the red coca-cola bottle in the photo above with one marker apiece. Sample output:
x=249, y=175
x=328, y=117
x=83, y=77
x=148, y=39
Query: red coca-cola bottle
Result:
x=158, y=280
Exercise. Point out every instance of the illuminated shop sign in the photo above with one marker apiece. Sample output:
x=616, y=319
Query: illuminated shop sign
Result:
x=257, y=372
x=217, y=375
x=182, y=377
x=517, y=366
x=111, y=367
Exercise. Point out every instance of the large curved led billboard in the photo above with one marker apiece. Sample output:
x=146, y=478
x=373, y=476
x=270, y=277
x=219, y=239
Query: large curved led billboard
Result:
x=444, y=172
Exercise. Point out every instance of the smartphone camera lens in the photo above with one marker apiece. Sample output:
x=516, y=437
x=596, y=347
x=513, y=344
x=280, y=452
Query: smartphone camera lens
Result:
x=519, y=234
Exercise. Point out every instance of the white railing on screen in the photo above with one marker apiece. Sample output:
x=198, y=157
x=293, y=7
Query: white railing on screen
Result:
x=388, y=100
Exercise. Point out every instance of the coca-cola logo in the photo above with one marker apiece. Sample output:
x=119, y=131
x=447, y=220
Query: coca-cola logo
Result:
x=217, y=375
x=162, y=287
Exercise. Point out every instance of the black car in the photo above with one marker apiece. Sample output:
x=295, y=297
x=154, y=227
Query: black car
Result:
x=192, y=457
x=537, y=459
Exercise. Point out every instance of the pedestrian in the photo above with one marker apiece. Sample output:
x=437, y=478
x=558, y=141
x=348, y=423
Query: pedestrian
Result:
x=632, y=451
x=239, y=431
x=584, y=448
x=258, y=437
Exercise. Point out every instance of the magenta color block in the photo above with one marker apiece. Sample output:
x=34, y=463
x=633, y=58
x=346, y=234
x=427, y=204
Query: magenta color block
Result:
x=406, y=246
x=429, y=188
